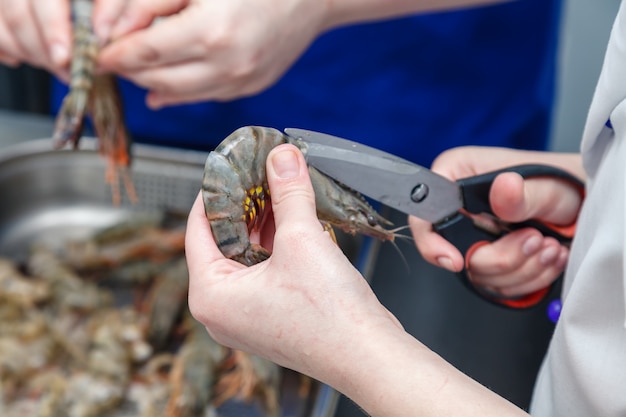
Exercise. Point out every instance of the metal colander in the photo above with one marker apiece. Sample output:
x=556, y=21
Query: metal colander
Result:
x=50, y=196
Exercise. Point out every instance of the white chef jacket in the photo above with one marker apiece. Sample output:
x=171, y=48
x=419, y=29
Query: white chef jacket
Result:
x=584, y=372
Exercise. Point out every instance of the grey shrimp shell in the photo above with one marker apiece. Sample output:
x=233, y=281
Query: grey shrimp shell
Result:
x=236, y=195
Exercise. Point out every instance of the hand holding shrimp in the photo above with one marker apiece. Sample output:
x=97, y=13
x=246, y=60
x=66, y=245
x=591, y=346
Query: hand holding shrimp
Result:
x=221, y=63
x=301, y=248
x=307, y=308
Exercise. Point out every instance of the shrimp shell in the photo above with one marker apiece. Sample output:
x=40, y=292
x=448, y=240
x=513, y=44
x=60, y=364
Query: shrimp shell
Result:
x=236, y=195
x=97, y=95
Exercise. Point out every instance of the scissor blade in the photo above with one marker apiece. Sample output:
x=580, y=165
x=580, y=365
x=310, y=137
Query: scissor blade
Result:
x=384, y=177
x=318, y=138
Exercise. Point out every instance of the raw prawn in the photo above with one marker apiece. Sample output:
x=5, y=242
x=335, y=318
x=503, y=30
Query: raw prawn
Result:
x=236, y=195
x=193, y=372
x=98, y=95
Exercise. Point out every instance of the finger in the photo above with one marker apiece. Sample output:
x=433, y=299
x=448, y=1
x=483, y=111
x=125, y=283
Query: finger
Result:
x=197, y=81
x=155, y=46
x=433, y=247
x=156, y=100
x=509, y=252
x=539, y=281
x=507, y=197
x=27, y=29
x=10, y=52
x=9, y=60
x=54, y=23
x=187, y=83
x=197, y=85
x=105, y=15
x=200, y=247
x=537, y=277
x=515, y=199
x=138, y=14
x=25, y=36
x=293, y=199
x=518, y=264
x=8, y=49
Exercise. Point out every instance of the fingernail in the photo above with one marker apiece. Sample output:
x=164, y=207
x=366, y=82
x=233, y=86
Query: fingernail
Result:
x=446, y=263
x=549, y=255
x=531, y=246
x=285, y=164
x=59, y=54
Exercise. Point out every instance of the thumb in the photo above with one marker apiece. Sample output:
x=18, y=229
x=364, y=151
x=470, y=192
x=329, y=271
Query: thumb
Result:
x=516, y=199
x=293, y=199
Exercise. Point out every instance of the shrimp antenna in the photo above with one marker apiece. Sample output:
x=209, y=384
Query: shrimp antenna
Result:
x=404, y=238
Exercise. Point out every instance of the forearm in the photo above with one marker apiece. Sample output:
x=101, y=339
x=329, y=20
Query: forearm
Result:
x=393, y=374
x=340, y=12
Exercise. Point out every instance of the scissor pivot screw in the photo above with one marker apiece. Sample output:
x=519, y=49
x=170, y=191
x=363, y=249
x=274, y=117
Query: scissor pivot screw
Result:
x=419, y=193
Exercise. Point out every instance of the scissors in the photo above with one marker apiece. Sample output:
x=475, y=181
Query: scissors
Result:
x=458, y=210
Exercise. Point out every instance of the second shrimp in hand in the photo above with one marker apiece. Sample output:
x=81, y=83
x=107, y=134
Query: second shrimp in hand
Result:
x=98, y=96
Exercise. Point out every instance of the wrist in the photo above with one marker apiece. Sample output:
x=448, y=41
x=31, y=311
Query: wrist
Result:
x=376, y=373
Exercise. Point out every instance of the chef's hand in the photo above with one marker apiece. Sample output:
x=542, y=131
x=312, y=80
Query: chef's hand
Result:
x=37, y=33
x=204, y=49
x=307, y=308
x=523, y=261
x=290, y=307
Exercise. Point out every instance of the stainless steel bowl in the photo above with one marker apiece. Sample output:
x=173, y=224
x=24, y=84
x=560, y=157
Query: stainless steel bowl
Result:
x=50, y=196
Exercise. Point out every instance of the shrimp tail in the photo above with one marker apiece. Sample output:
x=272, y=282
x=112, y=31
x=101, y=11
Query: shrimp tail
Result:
x=97, y=95
x=68, y=126
x=107, y=115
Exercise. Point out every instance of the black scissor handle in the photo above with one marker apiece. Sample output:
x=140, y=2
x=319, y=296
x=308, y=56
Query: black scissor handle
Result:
x=467, y=235
x=475, y=192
